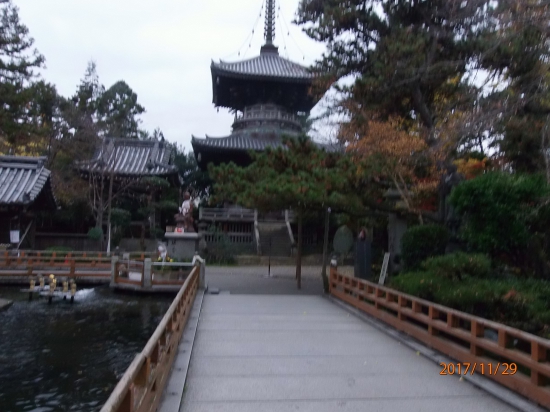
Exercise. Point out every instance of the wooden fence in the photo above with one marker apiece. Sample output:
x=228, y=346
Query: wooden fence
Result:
x=141, y=387
x=145, y=274
x=458, y=335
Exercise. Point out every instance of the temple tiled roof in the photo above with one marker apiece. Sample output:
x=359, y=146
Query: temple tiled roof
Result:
x=266, y=65
x=132, y=157
x=246, y=142
x=22, y=179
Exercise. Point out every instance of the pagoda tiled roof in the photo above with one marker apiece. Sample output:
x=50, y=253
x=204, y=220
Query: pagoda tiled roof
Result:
x=266, y=65
x=131, y=157
x=245, y=142
x=22, y=179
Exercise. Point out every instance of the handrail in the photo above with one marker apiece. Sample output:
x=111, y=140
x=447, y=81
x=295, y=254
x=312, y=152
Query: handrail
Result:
x=142, y=384
x=221, y=213
x=456, y=334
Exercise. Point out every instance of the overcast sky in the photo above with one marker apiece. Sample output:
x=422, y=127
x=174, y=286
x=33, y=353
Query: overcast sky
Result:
x=161, y=48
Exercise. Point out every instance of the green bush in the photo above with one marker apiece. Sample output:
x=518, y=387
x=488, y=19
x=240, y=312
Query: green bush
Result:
x=459, y=265
x=59, y=249
x=95, y=233
x=424, y=285
x=522, y=304
x=496, y=209
x=422, y=242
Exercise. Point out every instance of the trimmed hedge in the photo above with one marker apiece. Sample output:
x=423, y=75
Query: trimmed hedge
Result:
x=459, y=265
x=522, y=304
x=422, y=242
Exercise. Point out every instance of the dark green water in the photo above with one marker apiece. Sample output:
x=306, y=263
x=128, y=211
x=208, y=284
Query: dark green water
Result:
x=64, y=357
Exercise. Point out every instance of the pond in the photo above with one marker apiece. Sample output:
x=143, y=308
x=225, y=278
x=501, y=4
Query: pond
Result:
x=69, y=357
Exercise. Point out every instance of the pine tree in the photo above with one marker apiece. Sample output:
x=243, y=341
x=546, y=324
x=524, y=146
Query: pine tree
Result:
x=18, y=61
x=298, y=176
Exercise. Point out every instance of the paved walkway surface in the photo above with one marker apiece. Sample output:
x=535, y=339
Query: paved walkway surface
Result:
x=260, y=280
x=303, y=353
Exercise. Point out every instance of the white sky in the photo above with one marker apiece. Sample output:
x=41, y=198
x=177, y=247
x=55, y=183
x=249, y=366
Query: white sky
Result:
x=161, y=48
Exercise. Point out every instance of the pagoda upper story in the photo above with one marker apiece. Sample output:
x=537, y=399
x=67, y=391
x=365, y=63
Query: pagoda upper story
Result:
x=269, y=96
x=264, y=79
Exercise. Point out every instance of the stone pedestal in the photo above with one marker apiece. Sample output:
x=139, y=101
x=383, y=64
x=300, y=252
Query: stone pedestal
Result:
x=363, y=259
x=397, y=226
x=182, y=246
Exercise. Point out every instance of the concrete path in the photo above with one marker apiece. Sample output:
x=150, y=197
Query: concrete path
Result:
x=287, y=353
x=254, y=280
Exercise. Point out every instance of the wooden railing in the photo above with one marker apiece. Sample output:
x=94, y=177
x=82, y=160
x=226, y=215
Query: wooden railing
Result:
x=141, y=387
x=220, y=214
x=122, y=270
x=147, y=274
x=45, y=254
x=216, y=237
x=458, y=335
x=70, y=264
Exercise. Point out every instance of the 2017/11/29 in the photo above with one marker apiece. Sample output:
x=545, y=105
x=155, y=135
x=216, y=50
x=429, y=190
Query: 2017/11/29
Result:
x=483, y=368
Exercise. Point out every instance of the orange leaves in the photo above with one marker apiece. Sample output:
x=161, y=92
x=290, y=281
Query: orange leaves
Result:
x=471, y=168
x=400, y=154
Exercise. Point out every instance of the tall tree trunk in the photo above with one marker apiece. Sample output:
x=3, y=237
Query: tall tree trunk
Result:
x=299, y=254
x=544, y=147
x=325, y=248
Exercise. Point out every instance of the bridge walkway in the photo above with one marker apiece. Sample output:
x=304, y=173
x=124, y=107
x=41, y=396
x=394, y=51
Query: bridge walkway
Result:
x=301, y=352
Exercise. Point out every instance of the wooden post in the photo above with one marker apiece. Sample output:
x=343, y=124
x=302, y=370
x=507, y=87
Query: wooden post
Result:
x=325, y=248
x=477, y=332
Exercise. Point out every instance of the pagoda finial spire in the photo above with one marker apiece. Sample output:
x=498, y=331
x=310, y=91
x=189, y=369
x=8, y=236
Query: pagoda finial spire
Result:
x=269, y=31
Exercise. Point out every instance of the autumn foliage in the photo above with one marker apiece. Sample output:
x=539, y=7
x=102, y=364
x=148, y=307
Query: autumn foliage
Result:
x=400, y=154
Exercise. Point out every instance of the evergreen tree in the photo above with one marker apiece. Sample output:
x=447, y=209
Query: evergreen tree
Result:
x=408, y=56
x=298, y=176
x=18, y=61
x=119, y=110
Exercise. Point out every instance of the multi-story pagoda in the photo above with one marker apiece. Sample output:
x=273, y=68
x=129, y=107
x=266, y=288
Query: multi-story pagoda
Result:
x=269, y=96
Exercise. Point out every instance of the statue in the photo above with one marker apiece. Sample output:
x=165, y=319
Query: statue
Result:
x=184, y=219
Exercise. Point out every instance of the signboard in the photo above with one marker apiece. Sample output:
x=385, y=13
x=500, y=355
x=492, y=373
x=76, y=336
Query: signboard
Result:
x=384, y=270
x=14, y=236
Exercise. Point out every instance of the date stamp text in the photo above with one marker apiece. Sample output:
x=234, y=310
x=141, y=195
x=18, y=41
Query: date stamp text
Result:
x=482, y=368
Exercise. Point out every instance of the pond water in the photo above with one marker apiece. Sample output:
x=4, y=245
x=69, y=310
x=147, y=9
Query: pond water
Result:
x=64, y=357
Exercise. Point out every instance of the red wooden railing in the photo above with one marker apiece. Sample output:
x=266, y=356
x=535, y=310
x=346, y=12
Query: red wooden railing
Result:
x=458, y=335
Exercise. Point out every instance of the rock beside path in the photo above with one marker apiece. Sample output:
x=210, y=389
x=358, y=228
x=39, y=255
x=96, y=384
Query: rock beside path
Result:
x=4, y=304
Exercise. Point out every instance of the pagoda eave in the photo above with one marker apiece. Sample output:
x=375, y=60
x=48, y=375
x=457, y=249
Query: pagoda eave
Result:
x=217, y=71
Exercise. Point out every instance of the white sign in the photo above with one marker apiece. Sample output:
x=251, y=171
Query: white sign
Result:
x=384, y=270
x=14, y=236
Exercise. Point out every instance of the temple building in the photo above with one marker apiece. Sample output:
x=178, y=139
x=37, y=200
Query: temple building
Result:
x=129, y=162
x=25, y=190
x=270, y=96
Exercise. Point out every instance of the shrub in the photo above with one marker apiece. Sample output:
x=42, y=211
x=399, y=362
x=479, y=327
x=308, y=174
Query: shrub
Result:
x=422, y=242
x=458, y=265
x=424, y=285
x=95, y=233
x=522, y=304
x=496, y=208
x=59, y=249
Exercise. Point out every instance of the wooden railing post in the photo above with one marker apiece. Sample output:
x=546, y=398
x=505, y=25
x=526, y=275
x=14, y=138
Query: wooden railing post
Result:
x=538, y=354
x=114, y=270
x=147, y=277
x=477, y=331
x=433, y=314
